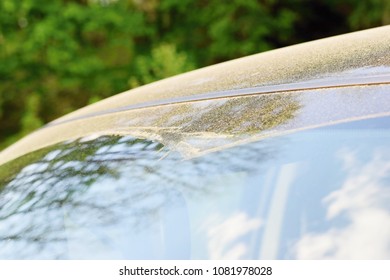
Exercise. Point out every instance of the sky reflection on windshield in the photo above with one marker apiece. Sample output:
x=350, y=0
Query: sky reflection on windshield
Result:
x=317, y=194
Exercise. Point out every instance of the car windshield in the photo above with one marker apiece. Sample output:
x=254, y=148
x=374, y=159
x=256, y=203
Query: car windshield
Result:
x=316, y=194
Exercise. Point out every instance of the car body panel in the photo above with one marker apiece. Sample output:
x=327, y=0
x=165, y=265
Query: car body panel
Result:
x=331, y=60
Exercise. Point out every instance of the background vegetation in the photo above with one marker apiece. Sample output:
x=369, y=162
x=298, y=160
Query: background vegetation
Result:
x=59, y=55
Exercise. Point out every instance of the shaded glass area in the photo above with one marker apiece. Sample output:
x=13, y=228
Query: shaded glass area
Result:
x=319, y=193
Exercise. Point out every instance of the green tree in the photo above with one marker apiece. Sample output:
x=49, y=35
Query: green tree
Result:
x=62, y=54
x=164, y=61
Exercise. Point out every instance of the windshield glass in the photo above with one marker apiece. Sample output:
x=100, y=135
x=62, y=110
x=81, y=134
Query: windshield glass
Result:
x=315, y=194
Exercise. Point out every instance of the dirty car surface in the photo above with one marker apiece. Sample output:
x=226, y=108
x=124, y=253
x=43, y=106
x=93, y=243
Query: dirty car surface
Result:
x=281, y=155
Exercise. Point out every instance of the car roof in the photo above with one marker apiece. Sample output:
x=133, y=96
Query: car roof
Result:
x=360, y=58
x=354, y=58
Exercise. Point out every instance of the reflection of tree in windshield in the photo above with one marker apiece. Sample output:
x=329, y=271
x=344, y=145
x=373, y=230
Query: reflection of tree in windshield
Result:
x=123, y=197
x=234, y=116
x=101, y=182
x=194, y=128
x=112, y=180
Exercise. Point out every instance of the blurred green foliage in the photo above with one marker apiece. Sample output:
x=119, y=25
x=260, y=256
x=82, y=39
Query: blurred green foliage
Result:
x=59, y=55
